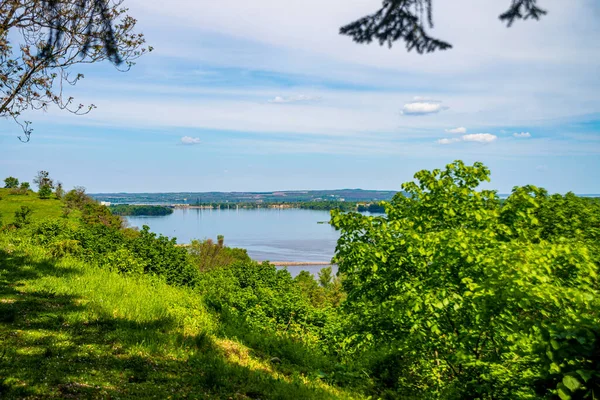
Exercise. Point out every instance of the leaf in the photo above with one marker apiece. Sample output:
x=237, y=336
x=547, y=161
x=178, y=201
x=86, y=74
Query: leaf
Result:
x=585, y=374
x=563, y=392
x=571, y=382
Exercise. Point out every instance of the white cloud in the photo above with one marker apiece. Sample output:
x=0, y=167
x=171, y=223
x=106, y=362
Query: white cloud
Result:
x=473, y=137
x=293, y=99
x=480, y=137
x=461, y=130
x=522, y=135
x=448, y=141
x=422, y=106
x=188, y=140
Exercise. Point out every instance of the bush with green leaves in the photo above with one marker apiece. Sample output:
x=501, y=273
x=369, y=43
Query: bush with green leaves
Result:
x=23, y=216
x=264, y=298
x=162, y=257
x=45, y=192
x=477, y=299
x=24, y=187
x=123, y=261
x=63, y=248
x=11, y=182
x=207, y=255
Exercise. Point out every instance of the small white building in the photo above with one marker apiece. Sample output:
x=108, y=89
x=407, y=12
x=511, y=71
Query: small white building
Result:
x=105, y=203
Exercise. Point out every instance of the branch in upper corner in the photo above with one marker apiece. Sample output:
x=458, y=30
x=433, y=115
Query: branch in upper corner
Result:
x=409, y=20
x=522, y=9
x=398, y=19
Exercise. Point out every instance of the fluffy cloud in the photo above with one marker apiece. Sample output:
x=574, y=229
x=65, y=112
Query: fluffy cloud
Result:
x=422, y=106
x=473, y=137
x=448, y=141
x=461, y=130
x=188, y=140
x=293, y=99
x=480, y=137
x=522, y=135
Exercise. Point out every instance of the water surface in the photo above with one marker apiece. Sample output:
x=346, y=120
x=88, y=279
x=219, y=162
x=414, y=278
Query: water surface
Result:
x=267, y=234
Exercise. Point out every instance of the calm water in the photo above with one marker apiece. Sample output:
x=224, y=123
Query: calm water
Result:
x=267, y=234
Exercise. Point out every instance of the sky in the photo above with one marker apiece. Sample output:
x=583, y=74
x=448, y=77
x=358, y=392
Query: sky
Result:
x=266, y=95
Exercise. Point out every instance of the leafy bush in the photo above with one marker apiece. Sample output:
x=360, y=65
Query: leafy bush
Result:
x=63, y=248
x=206, y=255
x=94, y=213
x=45, y=192
x=123, y=261
x=478, y=300
x=23, y=216
x=11, y=182
x=164, y=258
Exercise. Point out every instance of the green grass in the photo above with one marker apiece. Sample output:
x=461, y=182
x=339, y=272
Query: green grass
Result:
x=71, y=330
x=9, y=203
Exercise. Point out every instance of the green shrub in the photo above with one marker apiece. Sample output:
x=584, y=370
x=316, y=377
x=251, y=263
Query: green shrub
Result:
x=162, y=257
x=11, y=182
x=23, y=216
x=63, y=248
x=123, y=261
x=206, y=255
x=45, y=192
x=479, y=299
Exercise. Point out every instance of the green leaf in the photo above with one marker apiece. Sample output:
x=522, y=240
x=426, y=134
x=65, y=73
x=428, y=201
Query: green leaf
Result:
x=571, y=382
x=585, y=374
x=563, y=392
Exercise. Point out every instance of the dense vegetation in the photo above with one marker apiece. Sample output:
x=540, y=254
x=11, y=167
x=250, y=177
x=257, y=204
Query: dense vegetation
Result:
x=450, y=294
x=139, y=210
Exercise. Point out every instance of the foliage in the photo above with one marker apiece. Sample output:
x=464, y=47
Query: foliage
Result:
x=43, y=40
x=42, y=179
x=206, y=255
x=163, y=258
x=63, y=248
x=88, y=332
x=76, y=198
x=94, y=213
x=45, y=192
x=59, y=192
x=409, y=20
x=476, y=303
x=23, y=216
x=11, y=182
x=139, y=210
x=24, y=188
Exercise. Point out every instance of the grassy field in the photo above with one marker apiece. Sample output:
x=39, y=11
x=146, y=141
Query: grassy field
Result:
x=9, y=203
x=71, y=330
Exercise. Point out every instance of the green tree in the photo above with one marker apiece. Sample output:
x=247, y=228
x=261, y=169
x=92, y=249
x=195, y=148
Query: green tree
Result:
x=409, y=20
x=42, y=41
x=11, y=183
x=469, y=295
x=23, y=216
x=24, y=187
x=77, y=198
x=325, y=277
x=59, y=192
x=45, y=192
x=43, y=179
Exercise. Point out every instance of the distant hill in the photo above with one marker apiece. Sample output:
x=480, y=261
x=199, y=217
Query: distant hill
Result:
x=293, y=196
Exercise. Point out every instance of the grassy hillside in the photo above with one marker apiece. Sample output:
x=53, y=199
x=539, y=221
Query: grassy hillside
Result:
x=69, y=330
x=9, y=203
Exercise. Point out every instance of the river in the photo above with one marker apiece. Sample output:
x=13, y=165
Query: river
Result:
x=267, y=234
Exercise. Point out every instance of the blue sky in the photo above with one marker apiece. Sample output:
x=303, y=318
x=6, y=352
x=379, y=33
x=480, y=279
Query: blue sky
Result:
x=265, y=95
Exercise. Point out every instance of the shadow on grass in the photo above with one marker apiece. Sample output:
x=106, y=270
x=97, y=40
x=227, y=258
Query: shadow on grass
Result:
x=50, y=347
